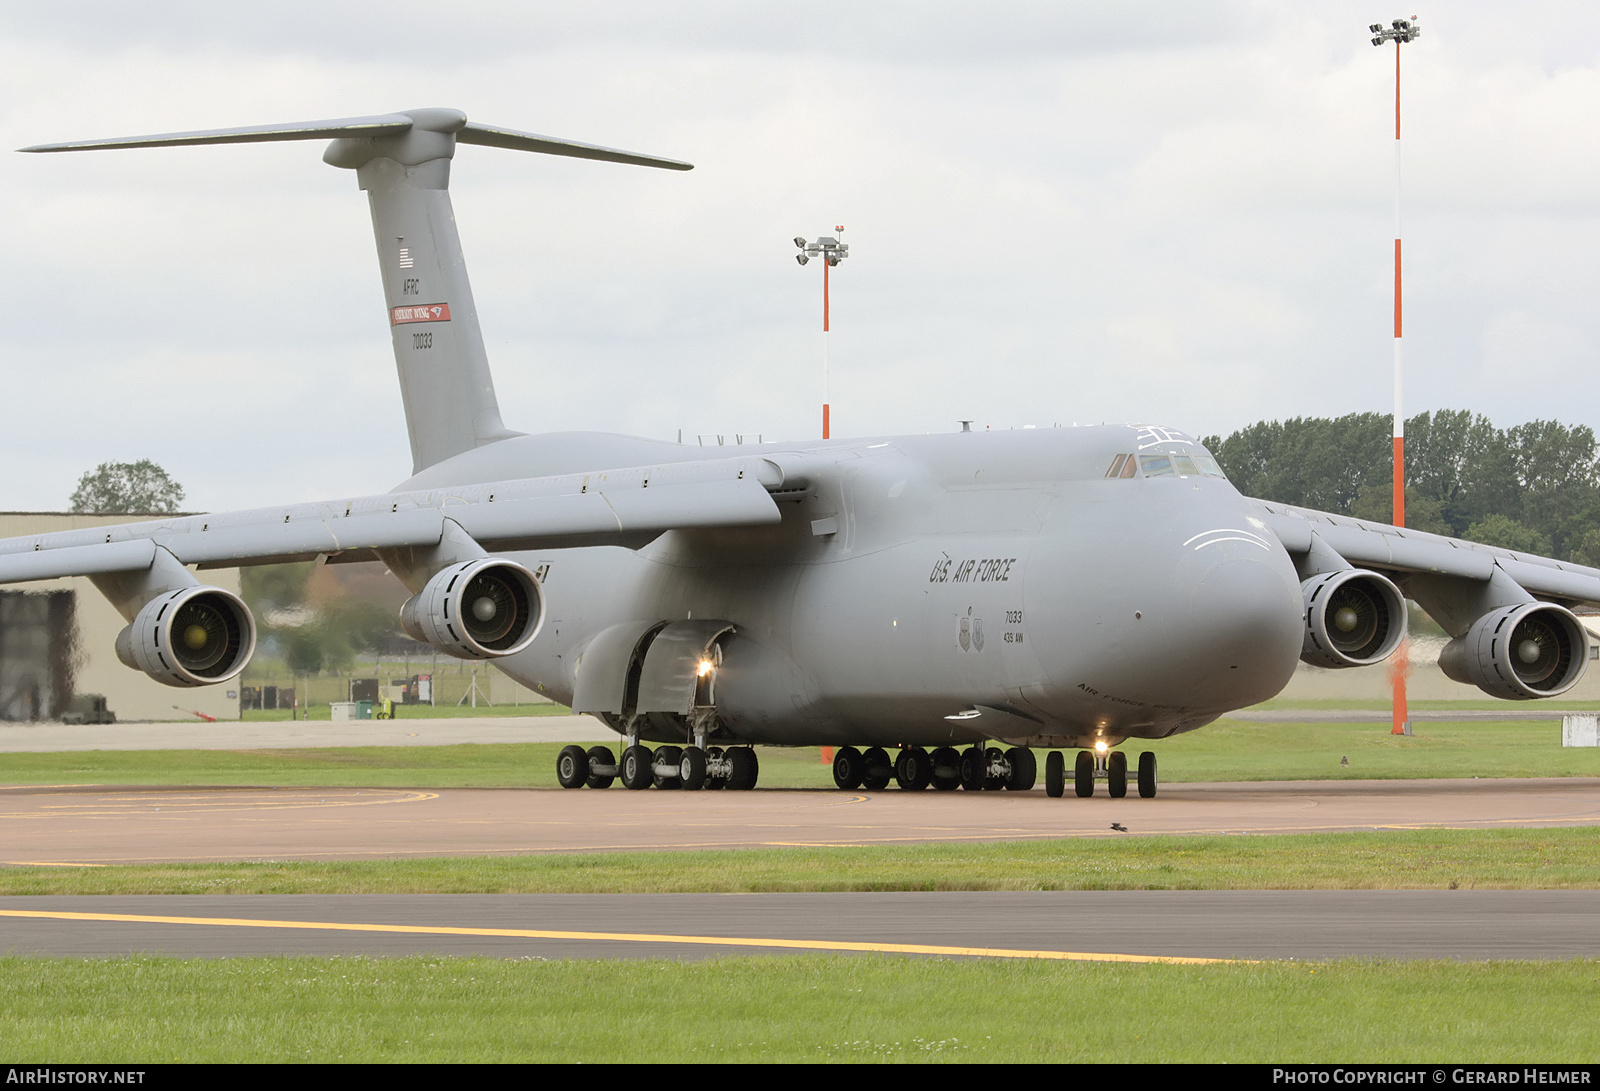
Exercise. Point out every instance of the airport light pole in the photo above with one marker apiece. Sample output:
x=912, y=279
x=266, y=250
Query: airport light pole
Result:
x=832, y=251
x=1400, y=31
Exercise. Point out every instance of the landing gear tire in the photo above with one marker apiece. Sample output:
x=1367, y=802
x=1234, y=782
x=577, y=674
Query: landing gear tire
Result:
x=1055, y=775
x=1147, y=775
x=636, y=767
x=1083, y=774
x=1024, y=769
x=879, y=769
x=972, y=769
x=667, y=755
x=849, y=768
x=912, y=769
x=946, y=768
x=1117, y=774
x=746, y=770
x=692, y=769
x=714, y=783
x=992, y=782
x=572, y=767
x=601, y=756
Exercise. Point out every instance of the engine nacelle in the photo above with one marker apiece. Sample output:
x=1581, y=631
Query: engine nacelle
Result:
x=1353, y=619
x=1534, y=649
x=195, y=636
x=480, y=609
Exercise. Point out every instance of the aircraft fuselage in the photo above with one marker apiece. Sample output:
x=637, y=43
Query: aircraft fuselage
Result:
x=939, y=589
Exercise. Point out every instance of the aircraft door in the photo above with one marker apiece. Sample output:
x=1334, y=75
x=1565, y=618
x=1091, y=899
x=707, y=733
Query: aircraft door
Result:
x=607, y=682
x=680, y=669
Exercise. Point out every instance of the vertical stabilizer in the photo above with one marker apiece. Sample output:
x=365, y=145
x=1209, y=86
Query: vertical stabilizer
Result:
x=402, y=160
x=438, y=347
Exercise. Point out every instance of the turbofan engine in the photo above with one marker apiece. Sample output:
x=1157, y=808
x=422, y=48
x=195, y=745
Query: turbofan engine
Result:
x=195, y=636
x=1535, y=649
x=480, y=609
x=1353, y=619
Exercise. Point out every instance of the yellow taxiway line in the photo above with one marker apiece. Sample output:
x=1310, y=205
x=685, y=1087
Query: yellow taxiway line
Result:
x=618, y=937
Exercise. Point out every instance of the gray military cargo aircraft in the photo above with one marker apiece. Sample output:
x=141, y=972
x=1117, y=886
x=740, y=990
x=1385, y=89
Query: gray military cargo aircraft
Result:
x=1062, y=588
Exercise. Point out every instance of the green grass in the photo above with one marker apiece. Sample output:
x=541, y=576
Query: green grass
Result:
x=141, y=1010
x=1486, y=704
x=1233, y=750
x=1228, y=750
x=1392, y=859
x=323, y=711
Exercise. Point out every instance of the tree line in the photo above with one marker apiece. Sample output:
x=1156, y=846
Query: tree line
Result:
x=1532, y=487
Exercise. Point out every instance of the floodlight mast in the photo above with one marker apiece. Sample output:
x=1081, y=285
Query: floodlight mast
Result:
x=1400, y=31
x=832, y=251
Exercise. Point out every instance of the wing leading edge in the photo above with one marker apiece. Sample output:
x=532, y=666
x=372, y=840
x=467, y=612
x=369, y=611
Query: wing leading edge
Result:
x=1414, y=552
x=614, y=507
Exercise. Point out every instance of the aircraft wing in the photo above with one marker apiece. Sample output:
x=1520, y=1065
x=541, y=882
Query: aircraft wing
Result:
x=615, y=507
x=1404, y=553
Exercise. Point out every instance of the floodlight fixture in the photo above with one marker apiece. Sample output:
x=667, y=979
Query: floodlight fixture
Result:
x=1398, y=32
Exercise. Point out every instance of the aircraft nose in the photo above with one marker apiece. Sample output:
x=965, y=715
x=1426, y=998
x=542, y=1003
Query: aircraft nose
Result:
x=1244, y=626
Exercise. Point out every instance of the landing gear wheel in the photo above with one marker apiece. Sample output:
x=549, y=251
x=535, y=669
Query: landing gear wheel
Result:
x=714, y=783
x=667, y=755
x=1024, y=769
x=601, y=756
x=993, y=782
x=1147, y=775
x=1055, y=775
x=946, y=768
x=692, y=769
x=1117, y=774
x=636, y=771
x=972, y=769
x=572, y=767
x=880, y=770
x=912, y=769
x=745, y=768
x=849, y=768
x=1083, y=774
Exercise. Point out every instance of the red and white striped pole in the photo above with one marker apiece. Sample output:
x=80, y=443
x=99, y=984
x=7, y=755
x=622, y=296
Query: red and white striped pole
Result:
x=832, y=252
x=1399, y=32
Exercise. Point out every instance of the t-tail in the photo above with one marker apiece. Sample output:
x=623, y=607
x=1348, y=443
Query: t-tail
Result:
x=402, y=160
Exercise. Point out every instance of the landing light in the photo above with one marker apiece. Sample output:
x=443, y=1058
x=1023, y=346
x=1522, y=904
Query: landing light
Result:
x=705, y=668
x=1100, y=746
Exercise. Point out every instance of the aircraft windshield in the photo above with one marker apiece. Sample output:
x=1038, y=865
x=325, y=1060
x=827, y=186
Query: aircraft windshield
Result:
x=1165, y=464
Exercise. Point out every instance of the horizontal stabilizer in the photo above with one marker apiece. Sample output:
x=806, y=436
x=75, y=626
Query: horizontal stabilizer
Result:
x=378, y=125
x=494, y=137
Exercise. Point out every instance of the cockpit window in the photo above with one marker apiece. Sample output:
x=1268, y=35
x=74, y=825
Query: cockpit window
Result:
x=1170, y=464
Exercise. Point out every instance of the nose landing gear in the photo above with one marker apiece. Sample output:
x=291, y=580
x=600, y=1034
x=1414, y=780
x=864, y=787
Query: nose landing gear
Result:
x=1089, y=767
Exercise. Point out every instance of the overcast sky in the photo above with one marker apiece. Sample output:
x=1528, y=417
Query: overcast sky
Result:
x=1177, y=213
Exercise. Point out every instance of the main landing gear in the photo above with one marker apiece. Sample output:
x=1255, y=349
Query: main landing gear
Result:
x=1089, y=767
x=690, y=768
x=944, y=769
